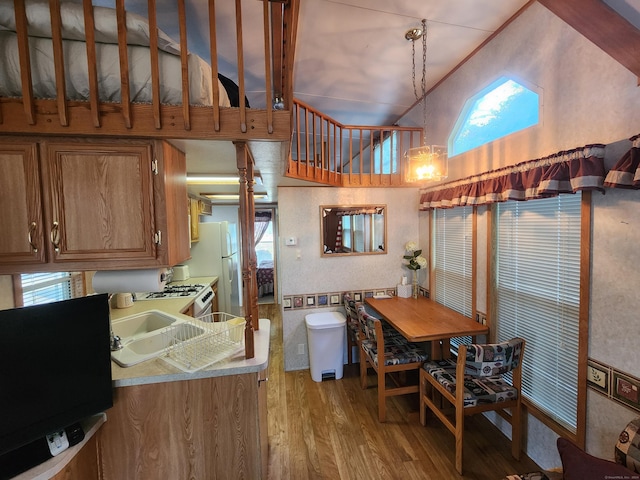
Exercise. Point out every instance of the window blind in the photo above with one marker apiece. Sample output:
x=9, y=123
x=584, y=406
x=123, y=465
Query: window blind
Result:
x=453, y=266
x=538, y=287
x=39, y=288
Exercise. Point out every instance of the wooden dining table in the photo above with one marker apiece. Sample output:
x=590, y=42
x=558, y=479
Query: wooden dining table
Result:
x=424, y=320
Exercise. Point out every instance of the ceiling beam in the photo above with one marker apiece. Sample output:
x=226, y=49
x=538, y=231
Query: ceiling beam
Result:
x=601, y=24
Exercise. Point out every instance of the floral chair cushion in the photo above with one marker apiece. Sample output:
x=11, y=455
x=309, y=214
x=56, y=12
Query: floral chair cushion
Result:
x=397, y=351
x=367, y=324
x=350, y=308
x=627, y=450
x=493, y=359
x=477, y=390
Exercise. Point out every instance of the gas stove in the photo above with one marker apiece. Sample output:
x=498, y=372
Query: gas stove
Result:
x=173, y=291
x=202, y=295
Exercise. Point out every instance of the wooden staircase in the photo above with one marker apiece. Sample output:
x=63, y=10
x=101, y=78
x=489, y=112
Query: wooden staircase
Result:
x=325, y=151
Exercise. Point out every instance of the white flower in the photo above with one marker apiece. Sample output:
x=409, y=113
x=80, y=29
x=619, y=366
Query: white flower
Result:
x=410, y=246
x=421, y=261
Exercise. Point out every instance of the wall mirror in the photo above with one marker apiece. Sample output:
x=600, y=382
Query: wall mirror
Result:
x=353, y=229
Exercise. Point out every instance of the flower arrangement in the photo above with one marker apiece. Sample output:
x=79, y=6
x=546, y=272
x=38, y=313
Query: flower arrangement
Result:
x=415, y=262
x=415, y=259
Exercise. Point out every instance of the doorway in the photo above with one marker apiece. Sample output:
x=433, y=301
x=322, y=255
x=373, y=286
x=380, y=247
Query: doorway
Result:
x=265, y=246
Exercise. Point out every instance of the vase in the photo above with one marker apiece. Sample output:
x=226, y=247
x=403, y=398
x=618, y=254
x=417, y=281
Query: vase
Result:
x=415, y=284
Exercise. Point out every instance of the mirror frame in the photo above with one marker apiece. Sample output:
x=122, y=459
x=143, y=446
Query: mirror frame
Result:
x=324, y=208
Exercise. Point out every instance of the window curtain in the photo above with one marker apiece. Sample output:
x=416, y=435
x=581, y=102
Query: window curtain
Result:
x=261, y=223
x=564, y=172
x=626, y=173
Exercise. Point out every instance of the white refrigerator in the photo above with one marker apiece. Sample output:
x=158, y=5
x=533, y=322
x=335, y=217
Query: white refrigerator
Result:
x=216, y=254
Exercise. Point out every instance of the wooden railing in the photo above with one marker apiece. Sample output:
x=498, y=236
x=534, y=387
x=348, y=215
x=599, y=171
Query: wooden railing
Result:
x=325, y=151
x=259, y=23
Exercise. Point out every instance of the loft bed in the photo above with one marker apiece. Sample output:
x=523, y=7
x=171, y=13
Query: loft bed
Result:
x=77, y=68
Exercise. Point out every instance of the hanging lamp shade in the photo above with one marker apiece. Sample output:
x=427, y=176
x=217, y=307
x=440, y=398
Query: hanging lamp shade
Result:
x=426, y=163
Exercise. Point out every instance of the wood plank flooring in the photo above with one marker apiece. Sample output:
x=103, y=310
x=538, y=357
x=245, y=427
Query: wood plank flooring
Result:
x=329, y=430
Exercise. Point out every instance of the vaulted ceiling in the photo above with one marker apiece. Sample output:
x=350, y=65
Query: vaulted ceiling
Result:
x=354, y=64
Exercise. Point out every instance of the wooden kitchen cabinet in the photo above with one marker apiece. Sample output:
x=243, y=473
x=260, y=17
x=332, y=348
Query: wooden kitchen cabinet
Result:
x=84, y=465
x=206, y=208
x=104, y=205
x=194, y=212
x=210, y=428
x=23, y=235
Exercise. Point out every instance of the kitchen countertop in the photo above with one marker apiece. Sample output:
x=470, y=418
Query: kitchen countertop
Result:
x=172, y=306
x=158, y=371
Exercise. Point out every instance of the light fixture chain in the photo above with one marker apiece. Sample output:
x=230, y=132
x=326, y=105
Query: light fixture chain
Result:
x=424, y=57
x=423, y=84
x=413, y=71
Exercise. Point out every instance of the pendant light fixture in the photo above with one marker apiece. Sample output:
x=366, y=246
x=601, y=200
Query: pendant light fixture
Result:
x=426, y=162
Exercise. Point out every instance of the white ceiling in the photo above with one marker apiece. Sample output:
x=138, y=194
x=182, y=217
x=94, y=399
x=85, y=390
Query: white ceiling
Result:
x=353, y=63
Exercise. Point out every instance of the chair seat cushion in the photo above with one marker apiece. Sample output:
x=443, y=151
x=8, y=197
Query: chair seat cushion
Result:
x=627, y=450
x=478, y=390
x=397, y=351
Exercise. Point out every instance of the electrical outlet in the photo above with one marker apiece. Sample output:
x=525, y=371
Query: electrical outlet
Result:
x=301, y=349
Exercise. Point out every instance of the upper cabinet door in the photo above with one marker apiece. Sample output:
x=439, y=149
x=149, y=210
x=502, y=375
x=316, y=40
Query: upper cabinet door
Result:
x=100, y=202
x=22, y=241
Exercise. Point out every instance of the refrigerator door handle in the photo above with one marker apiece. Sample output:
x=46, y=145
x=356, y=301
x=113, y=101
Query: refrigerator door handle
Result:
x=231, y=268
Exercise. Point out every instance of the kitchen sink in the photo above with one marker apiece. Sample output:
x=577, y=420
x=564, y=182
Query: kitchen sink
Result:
x=147, y=335
x=135, y=326
x=159, y=342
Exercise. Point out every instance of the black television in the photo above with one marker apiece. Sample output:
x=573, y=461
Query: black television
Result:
x=55, y=369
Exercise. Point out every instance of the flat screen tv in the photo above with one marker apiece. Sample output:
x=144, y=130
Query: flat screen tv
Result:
x=55, y=369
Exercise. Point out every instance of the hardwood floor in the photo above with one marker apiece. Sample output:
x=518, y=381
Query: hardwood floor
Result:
x=329, y=430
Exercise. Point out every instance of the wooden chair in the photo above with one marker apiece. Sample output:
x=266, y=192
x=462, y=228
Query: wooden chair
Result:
x=390, y=355
x=351, y=313
x=483, y=389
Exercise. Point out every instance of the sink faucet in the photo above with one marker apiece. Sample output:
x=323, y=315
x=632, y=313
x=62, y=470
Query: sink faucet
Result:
x=114, y=340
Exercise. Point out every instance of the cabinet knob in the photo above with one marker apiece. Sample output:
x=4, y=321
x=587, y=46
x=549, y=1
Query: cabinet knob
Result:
x=32, y=229
x=55, y=236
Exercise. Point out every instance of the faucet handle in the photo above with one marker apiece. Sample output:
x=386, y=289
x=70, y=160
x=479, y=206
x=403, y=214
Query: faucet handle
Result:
x=116, y=343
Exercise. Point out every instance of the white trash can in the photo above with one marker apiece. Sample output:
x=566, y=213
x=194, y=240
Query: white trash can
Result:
x=326, y=333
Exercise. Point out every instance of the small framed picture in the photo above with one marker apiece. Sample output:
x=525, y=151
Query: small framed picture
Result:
x=391, y=292
x=334, y=299
x=311, y=300
x=357, y=296
x=286, y=302
x=323, y=300
x=598, y=377
x=625, y=389
x=297, y=302
x=368, y=294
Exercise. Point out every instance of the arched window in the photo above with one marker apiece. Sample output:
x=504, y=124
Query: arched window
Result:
x=504, y=107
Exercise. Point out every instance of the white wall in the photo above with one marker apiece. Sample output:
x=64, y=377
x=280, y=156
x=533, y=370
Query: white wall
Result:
x=587, y=98
x=304, y=271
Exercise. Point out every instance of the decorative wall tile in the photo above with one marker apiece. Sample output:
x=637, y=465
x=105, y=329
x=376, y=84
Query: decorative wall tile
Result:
x=614, y=384
x=625, y=390
x=598, y=377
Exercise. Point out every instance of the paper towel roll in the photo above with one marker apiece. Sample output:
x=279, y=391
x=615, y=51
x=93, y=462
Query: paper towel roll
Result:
x=129, y=281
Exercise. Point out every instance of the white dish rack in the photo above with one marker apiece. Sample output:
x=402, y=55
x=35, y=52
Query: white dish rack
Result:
x=203, y=341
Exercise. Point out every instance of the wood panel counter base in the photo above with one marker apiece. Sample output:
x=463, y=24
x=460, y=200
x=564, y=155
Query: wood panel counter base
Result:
x=181, y=426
